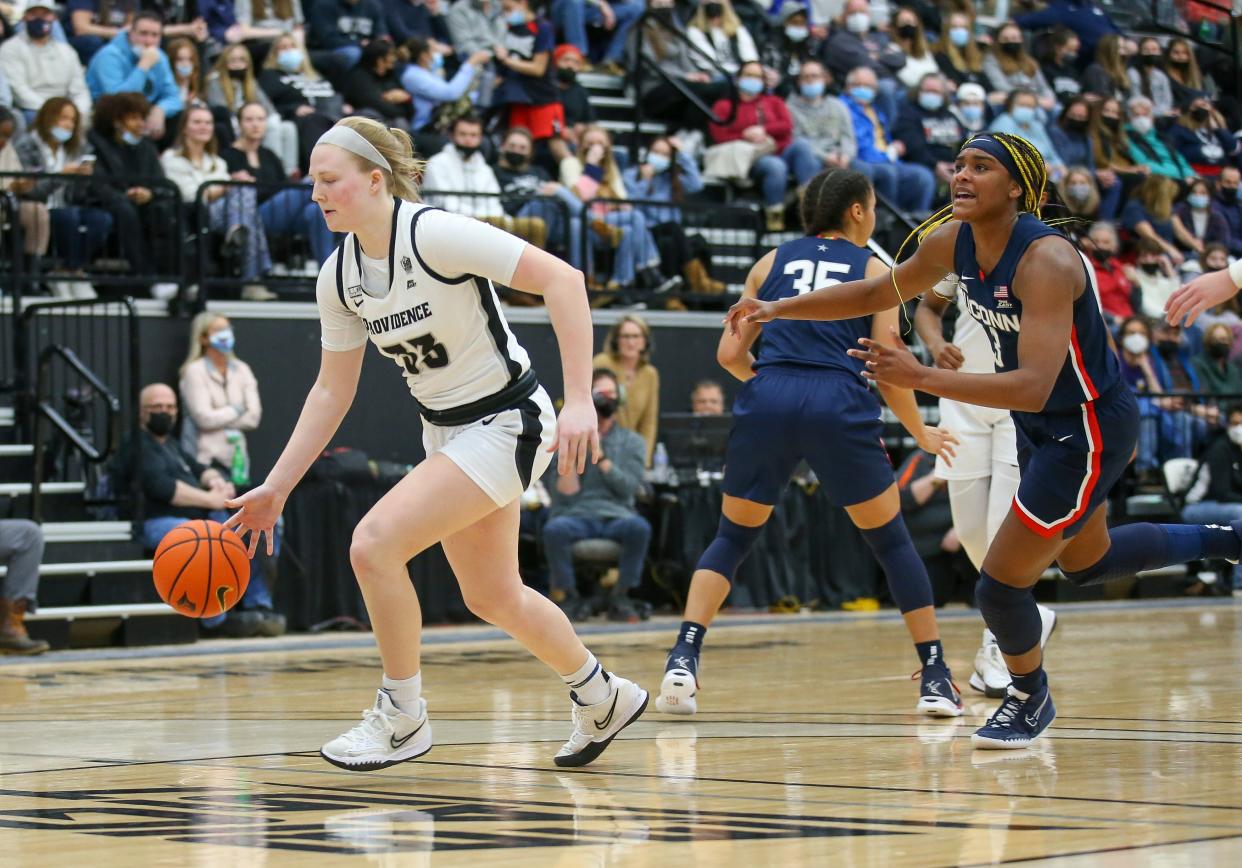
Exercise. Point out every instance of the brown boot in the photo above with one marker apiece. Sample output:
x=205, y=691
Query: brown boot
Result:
x=700, y=281
x=774, y=218
x=13, y=636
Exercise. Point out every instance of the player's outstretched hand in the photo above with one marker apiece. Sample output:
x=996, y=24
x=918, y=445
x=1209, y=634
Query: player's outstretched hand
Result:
x=748, y=310
x=940, y=442
x=257, y=511
x=1202, y=293
x=577, y=432
x=891, y=365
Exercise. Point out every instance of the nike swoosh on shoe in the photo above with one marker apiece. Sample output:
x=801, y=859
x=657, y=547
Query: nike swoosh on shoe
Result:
x=603, y=724
x=395, y=744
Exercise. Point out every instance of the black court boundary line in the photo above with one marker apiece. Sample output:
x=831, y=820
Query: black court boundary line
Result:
x=1095, y=852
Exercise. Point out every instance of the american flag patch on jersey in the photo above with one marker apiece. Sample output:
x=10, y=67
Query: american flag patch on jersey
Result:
x=1001, y=292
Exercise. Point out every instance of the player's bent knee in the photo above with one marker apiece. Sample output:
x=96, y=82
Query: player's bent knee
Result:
x=730, y=547
x=367, y=553
x=1101, y=571
x=494, y=608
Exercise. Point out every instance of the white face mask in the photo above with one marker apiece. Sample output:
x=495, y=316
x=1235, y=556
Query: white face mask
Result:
x=1135, y=342
x=858, y=22
x=1142, y=125
x=1235, y=434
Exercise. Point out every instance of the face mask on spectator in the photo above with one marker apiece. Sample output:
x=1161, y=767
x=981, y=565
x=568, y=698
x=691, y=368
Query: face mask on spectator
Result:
x=467, y=151
x=437, y=60
x=862, y=94
x=513, y=159
x=797, y=34
x=908, y=31
x=1168, y=346
x=658, y=162
x=858, y=22
x=605, y=405
x=565, y=75
x=1219, y=350
x=812, y=89
x=1111, y=123
x=160, y=424
x=1100, y=255
x=931, y=101
x=1013, y=49
x=1135, y=342
x=1079, y=192
x=223, y=340
x=1229, y=194
x=185, y=70
x=1076, y=125
x=1149, y=59
x=713, y=10
x=1198, y=201
x=1142, y=125
x=1150, y=267
x=750, y=86
x=516, y=18
x=1070, y=59
x=237, y=74
x=37, y=28
x=1199, y=114
x=959, y=36
x=971, y=114
x=1023, y=114
x=1180, y=64
x=1235, y=434
x=290, y=59
x=61, y=134
x=130, y=138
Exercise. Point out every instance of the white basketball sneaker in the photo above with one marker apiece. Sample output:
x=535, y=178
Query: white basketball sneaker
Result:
x=991, y=675
x=679, y=687
x=595, y=726
x=386, y=736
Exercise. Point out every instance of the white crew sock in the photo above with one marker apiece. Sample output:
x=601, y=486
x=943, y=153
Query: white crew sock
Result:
x=589, y=682
x=405, y=692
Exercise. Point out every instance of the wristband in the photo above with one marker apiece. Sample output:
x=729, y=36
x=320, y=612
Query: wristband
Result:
x=1235, y=273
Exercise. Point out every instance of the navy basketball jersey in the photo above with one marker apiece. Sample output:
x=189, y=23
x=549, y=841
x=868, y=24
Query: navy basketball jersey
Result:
x=1090, y=367
x=801, y=266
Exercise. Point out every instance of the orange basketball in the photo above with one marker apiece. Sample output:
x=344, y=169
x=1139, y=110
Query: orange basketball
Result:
x=201, y=569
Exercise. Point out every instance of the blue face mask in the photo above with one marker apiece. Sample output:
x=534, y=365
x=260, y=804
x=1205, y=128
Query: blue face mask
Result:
x=750, y=86
x=223, y=341
x=959, y=36
x=862, y=94
x=130, y=138
x=931, y=101
x=185, y=70
x=1023, y=114
x=1198, y=201
x=290, y=60
x=812, y=89
x=437, y=61
x=516, y=18
x=797, y=34
x=658, y=162
x=137, y=50
x=61, y=134
x=971, y=114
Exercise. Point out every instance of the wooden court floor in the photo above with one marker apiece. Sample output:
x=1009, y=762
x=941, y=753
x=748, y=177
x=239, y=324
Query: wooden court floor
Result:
x=805, y=752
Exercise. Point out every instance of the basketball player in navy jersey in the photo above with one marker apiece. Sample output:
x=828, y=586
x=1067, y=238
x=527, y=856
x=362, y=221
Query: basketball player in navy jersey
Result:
x=804, y=398
x=1077, y=422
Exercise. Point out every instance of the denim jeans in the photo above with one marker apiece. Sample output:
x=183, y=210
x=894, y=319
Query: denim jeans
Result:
x=1215, y=512
x=257, y=595
x=910, y=185
x=79, y=233
x=291, y=212
x=572, y=16
x=560, y=533
x=554, y=218
x=636, y=249
x=239, y=205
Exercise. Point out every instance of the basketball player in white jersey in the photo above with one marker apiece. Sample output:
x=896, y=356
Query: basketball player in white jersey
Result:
x=983, y=478
x=417, y=282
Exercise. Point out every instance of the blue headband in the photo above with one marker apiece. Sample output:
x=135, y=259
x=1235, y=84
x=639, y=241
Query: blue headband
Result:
x=990, y=146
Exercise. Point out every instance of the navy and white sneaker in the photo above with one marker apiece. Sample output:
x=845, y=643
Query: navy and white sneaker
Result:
x=938, y=695
x=680, y=685
x=1018, y=721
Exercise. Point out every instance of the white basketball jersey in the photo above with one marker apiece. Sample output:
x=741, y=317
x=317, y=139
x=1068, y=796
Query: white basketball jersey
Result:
x=440, y=321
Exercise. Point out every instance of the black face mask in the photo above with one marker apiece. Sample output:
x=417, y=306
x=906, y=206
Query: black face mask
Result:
x=1180, y=64
x=565, y=75
x=908, y=31
x=467, y=151
x=1150, y=267
x=37, y=28
x=1168, y=348
x=1229, y=194
x=1075, y=125
x=238, y=74
x=160, y=424
x=605, y=405
x=1111, y=123
x=713, y=10
x=1013, y=49
x=664, y=13
x=1149, y=59
x=1069, y=60
x=1218, y=350
x=513, y=159
x=1199, y=114
x=1100, y=255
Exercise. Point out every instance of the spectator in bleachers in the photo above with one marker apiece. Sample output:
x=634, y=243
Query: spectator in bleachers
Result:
x=177, y=488
x=460, y=170
x=929, y=133
x=822, y=119
x=1155, y=276
x=284, y=210
x=763, y=120
x=37, y=67
x=908, y=35
x=133, y=63
x=1024, y=117
x=1202, y=139
x=909, y=185
x=433, y=96
x=719, y=34
x=1116, y=289
x=422, y=19
x=579, y=112
x=1108, y=77
x=1061, y=69
x=1148, y=79
x=1115, y=171
x=475, y=25
x=1149, y=215
x=1009, y=69
x=599, y=504
x=232, y=85
x=707, y=399
x=279, y=16
x=32, y=216
x=1222, y=503
x=56, y=144
x=1217, y=373
x=300, y=94
x=220, y=394
x=345, y=27
x=373, y=88
x=1080, y=194
x=521, y=180
x=1227, y=203
x=958, y=54
x=970, y=107
x=1185, y=78
x=194, y=160
x=6, y=93
x=526, y=95
x=225, y=29
x=617, y=18
x=1071, y=134
x=1084, y=17
x=669, y=174
x=628, y=347
x=145, y=216
x=94, y=23
x=184, y=57
x=21, y=552
x=856, y=44
x=790, y=51
x=676, y=60
x=1196, y=222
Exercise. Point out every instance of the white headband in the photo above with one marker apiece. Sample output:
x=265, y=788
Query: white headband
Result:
x=352, y=141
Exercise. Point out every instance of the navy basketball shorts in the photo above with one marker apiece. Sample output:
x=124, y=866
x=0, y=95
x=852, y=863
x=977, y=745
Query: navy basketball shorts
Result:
x=1070, y=460
x=829, y=418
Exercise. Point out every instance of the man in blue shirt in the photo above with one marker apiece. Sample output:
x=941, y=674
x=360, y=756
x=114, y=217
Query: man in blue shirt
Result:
x=133, y=63
x=1228, y=203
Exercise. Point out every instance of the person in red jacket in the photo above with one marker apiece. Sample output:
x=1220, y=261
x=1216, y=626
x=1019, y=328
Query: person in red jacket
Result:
x=764, y=119
x=1116, y=289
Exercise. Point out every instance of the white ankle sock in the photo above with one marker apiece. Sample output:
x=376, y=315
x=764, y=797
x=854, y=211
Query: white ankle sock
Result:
x=405, y=692
x=589, y=681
